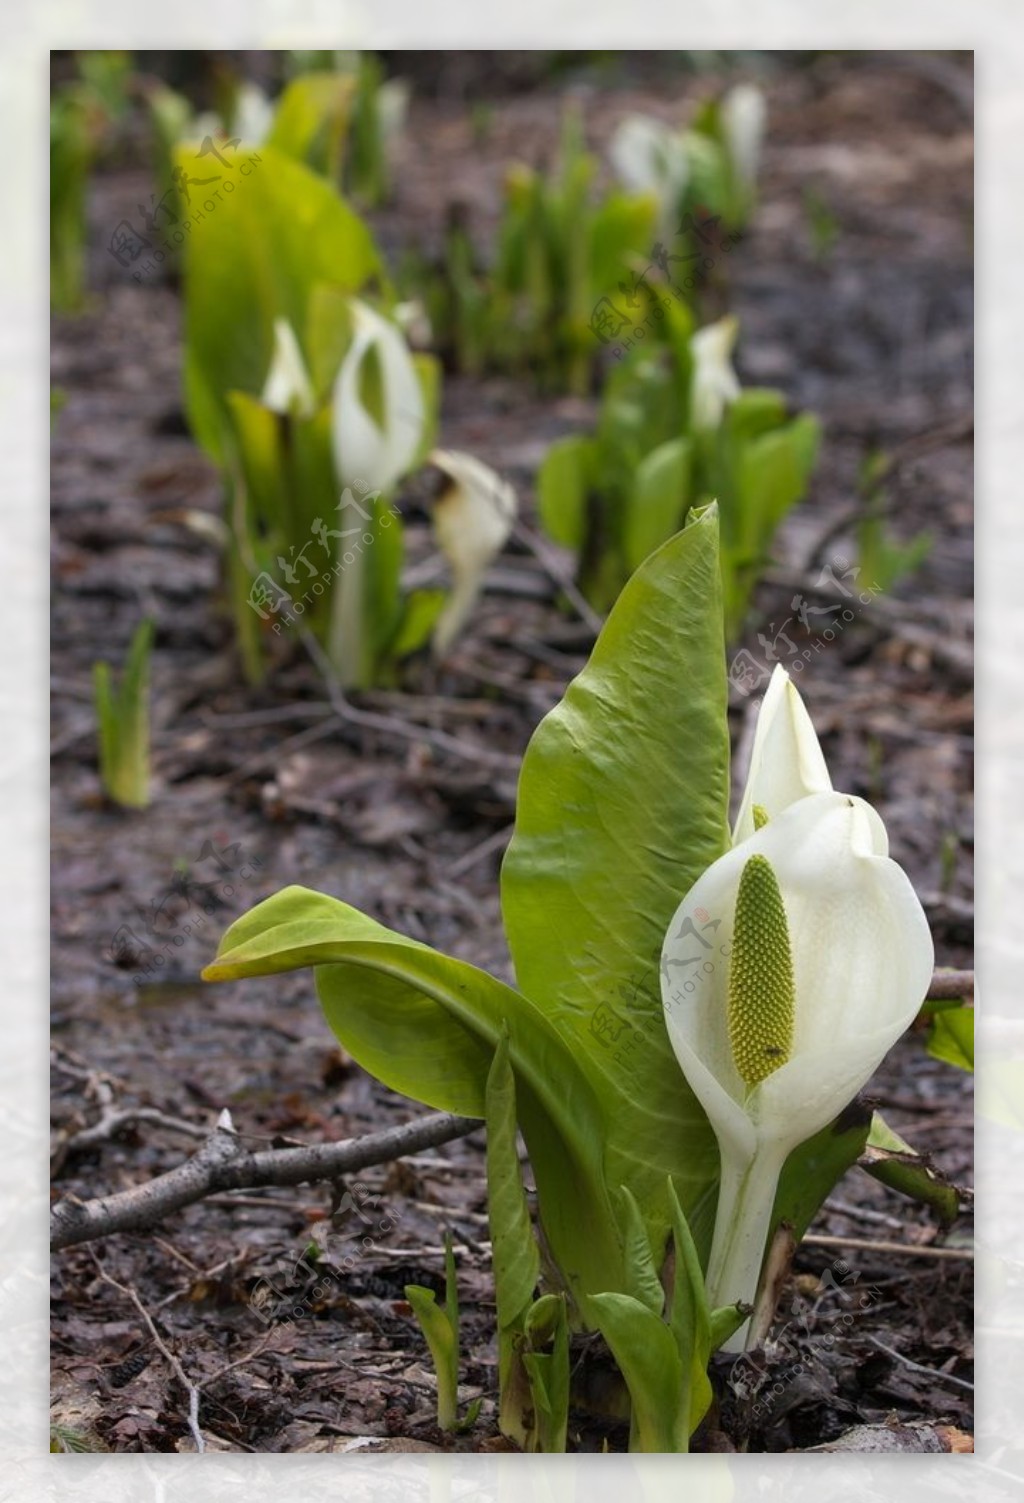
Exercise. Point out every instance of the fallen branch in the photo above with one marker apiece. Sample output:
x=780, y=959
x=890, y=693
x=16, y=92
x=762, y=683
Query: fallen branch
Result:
x=949, y=986
x=222, y=1163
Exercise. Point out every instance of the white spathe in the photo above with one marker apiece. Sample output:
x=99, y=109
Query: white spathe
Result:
x=378, y=453
x=472, y=519
x=253, y=115
x=862, y=957
x=649, y=157
x=743, y=114
x=288, y=388
x=392, y=108
x=786, y=760
x=714, y=383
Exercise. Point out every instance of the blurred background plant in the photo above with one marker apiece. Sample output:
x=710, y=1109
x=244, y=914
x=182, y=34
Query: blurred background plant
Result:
x=82, y=115
x=710, y=167
x=675, y=430
x=559, y=249
x=564, y=246
x=336, y=113
x=336, y=347
x=314, y=419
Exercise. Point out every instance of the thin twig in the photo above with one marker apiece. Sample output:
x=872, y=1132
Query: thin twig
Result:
x=308, y=709
x=561, y=576
x=222, y=1163
x=256, y=1351
x=389, y=725
x=863, y=1213
x=918, y=1367
x=111, y=1121
x=496, y=842
x=179, y=1372
x=911, y=1249
x=274, y=755
x=416, y=1253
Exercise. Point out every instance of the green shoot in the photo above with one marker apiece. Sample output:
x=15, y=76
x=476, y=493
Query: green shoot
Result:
x=822, y=224
x=883, y=559
x=440, y=1327
x=122, y=714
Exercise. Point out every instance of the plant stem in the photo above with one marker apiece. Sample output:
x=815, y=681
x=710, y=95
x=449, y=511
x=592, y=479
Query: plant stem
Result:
x=347, y=646
x=745, y=1201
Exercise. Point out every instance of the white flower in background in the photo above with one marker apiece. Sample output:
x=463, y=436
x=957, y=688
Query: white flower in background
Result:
x=649, y=157
x=392, y=108
x=472, y=519
x=253, y=115
x=288, y=388
x=714, y=382
x=376, y=446
x=788, y=971
x=251, y=119
x=743, y=114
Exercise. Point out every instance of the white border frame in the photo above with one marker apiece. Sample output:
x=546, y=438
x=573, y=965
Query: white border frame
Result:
x=997, y=1471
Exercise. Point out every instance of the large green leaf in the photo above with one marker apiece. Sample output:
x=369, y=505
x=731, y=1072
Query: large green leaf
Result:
x=311, y=119
x=254, y=256
x=623, y=802
x=428, y=1026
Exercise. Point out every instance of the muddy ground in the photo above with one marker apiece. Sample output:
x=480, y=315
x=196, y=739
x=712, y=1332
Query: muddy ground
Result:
x=254, y=789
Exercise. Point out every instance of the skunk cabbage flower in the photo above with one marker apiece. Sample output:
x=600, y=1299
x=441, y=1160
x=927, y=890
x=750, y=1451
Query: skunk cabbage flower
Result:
x=288, y=388
x=743, y=114
x=649, y=157
x=392, y=107
x=253, y=115
x=473, y=517
x=788, y=971
x=714, y=383
x=376, y=446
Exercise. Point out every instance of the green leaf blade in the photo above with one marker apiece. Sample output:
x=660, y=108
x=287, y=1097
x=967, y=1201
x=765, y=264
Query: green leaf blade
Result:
x=623, y=802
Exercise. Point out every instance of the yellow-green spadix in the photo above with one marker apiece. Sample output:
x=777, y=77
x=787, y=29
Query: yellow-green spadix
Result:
x=788, y=971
